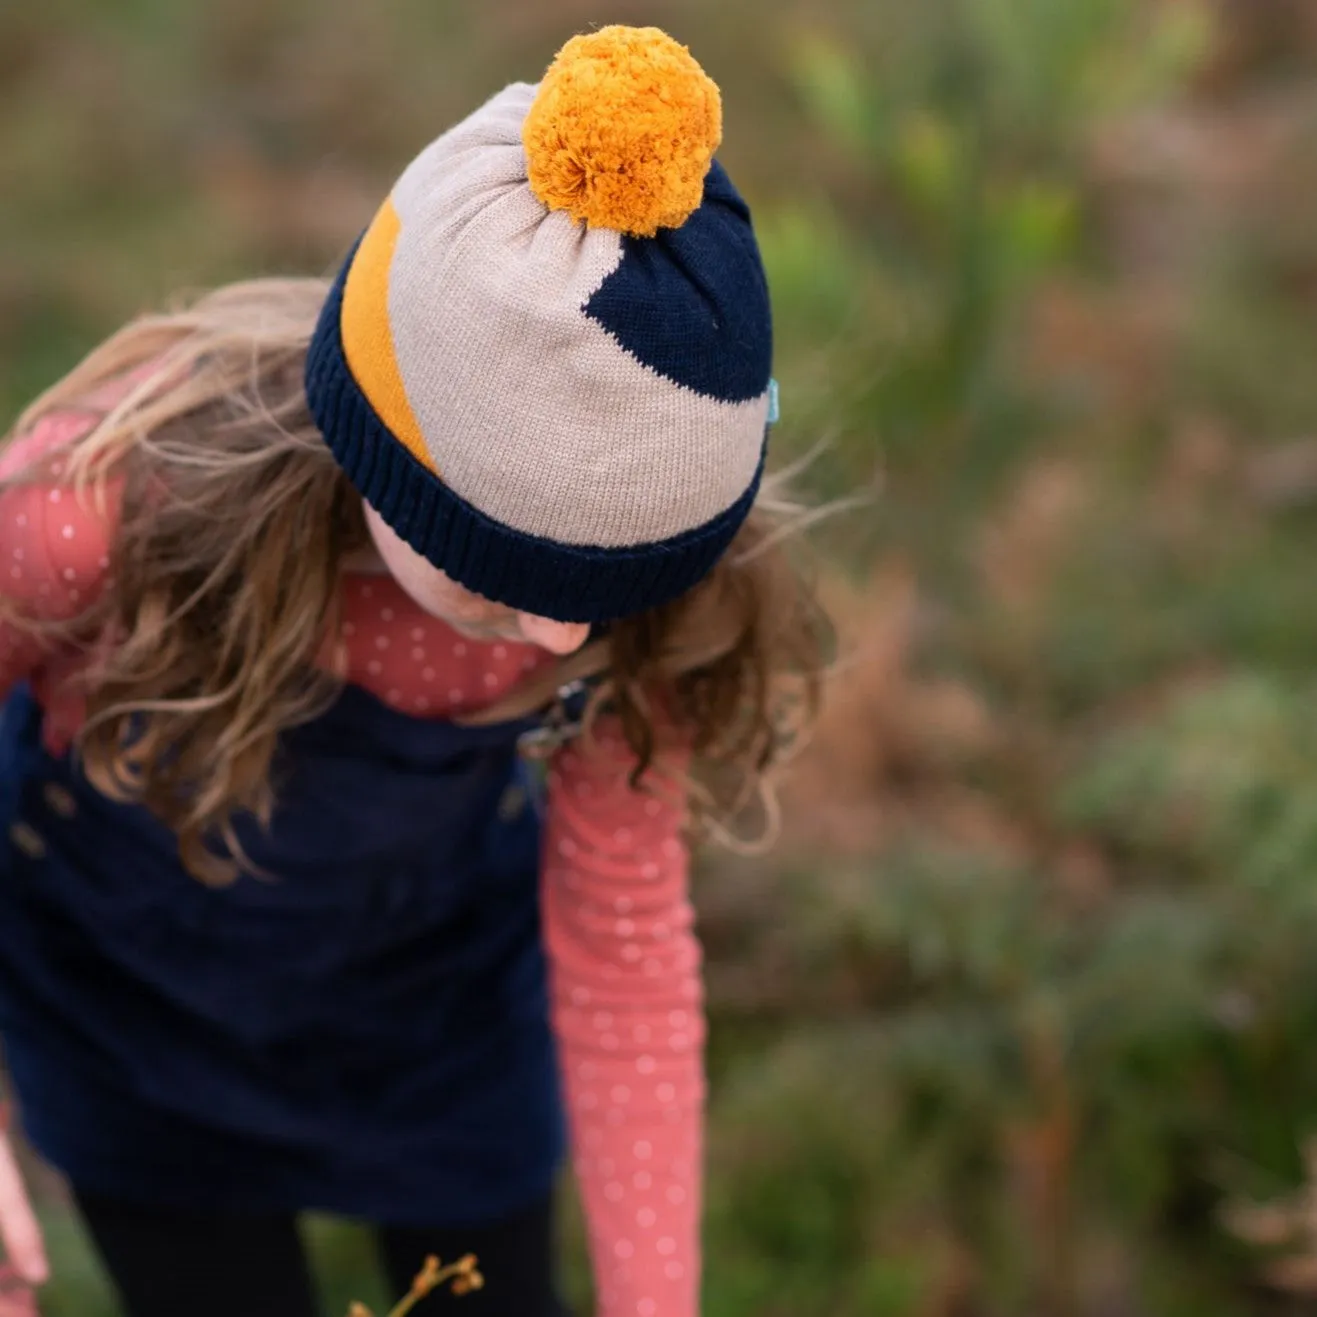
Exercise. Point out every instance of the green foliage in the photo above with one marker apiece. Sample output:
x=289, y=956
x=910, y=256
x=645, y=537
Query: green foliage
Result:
x=1224, y=778
x=1014, y=1074
x=77, y=1287
x=959, y=125
x=1037, y=1085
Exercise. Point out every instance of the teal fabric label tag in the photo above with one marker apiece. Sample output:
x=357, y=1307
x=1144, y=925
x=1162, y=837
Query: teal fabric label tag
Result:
x=774, y=403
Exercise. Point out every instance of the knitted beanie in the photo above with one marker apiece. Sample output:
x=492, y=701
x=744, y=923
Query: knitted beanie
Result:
x=546, y=363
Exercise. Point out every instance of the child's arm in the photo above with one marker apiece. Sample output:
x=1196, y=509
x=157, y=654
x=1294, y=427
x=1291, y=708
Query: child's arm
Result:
x=52, y=561
x=628, y=1009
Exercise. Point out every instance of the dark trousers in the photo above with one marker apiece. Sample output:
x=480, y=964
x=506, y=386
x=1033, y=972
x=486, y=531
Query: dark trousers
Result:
x=167, y=1263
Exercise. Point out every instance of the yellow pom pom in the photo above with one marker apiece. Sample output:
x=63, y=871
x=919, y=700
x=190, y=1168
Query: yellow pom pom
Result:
x=623, y=131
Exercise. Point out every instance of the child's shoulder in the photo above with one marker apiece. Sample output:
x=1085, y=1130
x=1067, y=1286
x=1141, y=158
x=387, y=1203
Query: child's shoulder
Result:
x=54, y=540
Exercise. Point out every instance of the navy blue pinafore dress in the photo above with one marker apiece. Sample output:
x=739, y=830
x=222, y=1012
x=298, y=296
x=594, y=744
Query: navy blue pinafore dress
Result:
x=364, y=1033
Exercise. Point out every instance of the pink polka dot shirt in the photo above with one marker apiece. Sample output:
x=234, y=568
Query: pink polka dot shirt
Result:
x=627, y=999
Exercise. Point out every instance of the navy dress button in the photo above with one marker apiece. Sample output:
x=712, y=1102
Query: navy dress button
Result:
x=60, y=801
x=28, y=840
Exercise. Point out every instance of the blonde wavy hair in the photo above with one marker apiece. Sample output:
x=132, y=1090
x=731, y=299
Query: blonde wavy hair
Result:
x=234, y=526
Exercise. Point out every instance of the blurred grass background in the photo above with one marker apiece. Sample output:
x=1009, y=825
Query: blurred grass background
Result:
x=1021, y=1019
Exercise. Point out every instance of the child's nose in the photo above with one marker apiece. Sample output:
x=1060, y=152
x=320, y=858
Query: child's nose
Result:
x=556, y=637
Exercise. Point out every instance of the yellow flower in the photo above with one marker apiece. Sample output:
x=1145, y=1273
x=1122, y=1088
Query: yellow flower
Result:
x=464, y=1275
x=427, y=1278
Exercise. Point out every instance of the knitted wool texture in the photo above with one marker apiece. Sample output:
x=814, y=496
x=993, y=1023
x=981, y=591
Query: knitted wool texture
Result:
x=546, y=363
x=623, y=131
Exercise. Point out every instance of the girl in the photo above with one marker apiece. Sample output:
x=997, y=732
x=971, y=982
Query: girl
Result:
x=289, y=580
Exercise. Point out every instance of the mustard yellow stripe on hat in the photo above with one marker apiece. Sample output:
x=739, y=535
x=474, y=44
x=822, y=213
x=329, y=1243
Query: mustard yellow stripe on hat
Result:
x=368, y=337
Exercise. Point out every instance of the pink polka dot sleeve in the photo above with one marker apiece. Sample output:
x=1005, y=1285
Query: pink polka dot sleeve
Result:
x=628, y=1010
x=53, y=546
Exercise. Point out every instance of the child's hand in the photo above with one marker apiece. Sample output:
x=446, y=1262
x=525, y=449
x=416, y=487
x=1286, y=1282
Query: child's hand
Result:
x=26, y=1263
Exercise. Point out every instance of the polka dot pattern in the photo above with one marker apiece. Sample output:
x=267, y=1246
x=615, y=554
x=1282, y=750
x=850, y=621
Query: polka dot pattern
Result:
x=419, y=664
x=629, y=1020
x=54, y=557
